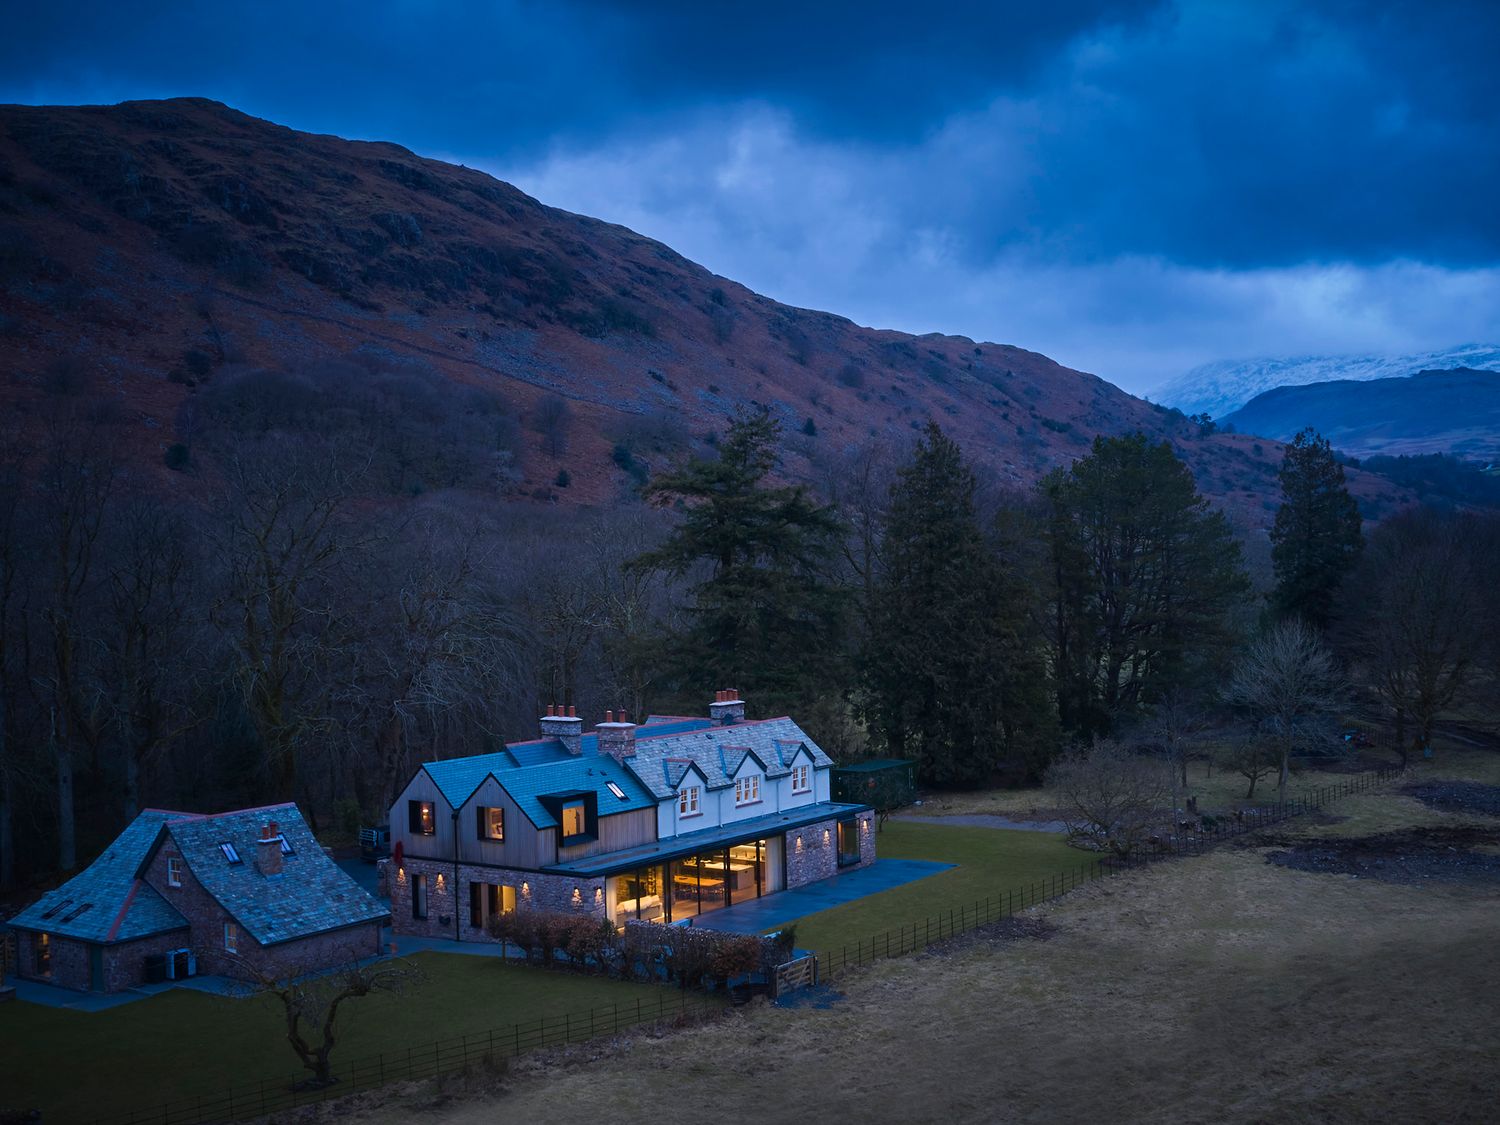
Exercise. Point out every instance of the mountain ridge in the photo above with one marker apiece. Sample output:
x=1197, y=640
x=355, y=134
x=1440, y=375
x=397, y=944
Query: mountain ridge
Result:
x=1224, y=386
x=168, y=245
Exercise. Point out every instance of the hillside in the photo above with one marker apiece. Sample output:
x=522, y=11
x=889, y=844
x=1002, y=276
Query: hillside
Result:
x=1454, y=412
x=1223, y=387
x=162, y=247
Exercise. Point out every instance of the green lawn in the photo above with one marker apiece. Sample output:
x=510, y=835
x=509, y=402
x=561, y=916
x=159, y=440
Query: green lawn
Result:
x=990, y=861
x=75, y=1066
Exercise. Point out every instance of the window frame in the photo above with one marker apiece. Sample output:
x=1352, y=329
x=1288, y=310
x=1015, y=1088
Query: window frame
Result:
x=802, y=773
x=747, y=790
x=614, y=787
x=419, y=904
x=421, y=817
x=484, y=823
x=174, y=871
x=231, y=937
x=689, y=802
x=231, y=853
x=581, y=808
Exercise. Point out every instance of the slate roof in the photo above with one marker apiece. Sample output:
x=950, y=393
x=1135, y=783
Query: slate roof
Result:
x=718, y=752
x=311, y=895
x=106, y=902
x=529, y=770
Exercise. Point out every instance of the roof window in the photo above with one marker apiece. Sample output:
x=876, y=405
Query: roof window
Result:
x=230, y=853
x=616, y=790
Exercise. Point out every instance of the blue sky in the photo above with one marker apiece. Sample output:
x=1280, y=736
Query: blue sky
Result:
x=1132, y=187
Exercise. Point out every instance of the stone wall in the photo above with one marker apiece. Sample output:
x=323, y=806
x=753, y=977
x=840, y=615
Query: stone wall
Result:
x=125, y=964
x=206, y=918
x=812, y=853
x=70, y=961
x=866, y=838
x=537, y=891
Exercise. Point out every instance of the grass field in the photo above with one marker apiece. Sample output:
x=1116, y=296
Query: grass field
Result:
x=990, y=861
x=75, y=1066
x=1220, y=988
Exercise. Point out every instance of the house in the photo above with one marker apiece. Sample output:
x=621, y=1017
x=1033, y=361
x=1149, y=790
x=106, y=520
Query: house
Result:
x=235, y=893
x=668, y=820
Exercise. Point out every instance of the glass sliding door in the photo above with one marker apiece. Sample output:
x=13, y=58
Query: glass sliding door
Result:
x=684, y=888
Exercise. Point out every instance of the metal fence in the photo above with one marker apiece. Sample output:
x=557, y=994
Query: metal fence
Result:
x=431, y=1060
x=919, y=934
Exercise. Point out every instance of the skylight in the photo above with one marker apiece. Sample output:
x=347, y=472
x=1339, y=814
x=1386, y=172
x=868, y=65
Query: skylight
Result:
x=82, y=909
x=63, y=905
x=229, y=852
x=616, y=790
x=286, y=847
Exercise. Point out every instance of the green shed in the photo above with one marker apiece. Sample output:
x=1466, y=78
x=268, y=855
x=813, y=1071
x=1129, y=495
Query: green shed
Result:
x=883, y=783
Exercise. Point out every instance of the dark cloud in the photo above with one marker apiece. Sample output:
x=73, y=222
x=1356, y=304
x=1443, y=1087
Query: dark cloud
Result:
x=1138, y=150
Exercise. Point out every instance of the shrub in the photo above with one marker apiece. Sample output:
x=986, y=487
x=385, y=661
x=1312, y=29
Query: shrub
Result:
x=176, y=457
x=564, y=478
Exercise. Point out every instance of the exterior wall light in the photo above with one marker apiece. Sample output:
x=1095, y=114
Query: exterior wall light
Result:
x=598, y=895
x=440, y=881
x=526, y=890
x=825, y=837
x=400, y=874
x=577, y=897
x=799, y=841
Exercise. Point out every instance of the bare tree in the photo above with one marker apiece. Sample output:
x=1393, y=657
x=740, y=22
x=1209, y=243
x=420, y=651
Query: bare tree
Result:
x=1252, y=758
x=279, y=541
x=552, y=417
x=1414, y=615
x=1113, y=797
x=311, y=1003
x=75, y=485
x=1289, y=682
x=149, y=644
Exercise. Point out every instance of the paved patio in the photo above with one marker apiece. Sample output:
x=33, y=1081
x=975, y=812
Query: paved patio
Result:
x=787, y=906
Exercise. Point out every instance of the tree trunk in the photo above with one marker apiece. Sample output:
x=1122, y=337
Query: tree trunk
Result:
x=67, y=844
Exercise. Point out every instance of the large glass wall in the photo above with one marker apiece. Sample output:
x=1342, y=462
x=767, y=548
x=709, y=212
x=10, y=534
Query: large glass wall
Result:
x=699, y=884
x=638, y=895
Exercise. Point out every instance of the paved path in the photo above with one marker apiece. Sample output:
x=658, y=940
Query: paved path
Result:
x=787, y=906
x=986, y=820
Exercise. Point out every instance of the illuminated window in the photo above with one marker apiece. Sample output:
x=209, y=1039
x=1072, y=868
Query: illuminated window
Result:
x=573, y=820
x=687, y=801
x=231, y=938
x=44, y=955
x=747, y=789
x=491, y=823
x=421, y=818
x=800, y=779
x=174, y=871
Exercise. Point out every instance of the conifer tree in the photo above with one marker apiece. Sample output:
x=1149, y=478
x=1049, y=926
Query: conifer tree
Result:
x=1143, y=578
x=765, y=616
x=1317, y=537
x=951, y=675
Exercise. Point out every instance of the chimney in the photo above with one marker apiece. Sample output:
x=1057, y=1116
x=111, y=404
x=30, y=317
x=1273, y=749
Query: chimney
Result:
x=563, y=724
x=727, y=707
x=268, y=850
x=616, y=738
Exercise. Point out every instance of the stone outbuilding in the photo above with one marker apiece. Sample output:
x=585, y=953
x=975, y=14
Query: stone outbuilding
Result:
x=237, y=893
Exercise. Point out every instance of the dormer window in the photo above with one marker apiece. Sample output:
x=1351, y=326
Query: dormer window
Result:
x=573, y=820
x=801, y=779
x=230, y=853
x=687, y=800
x=747, y=789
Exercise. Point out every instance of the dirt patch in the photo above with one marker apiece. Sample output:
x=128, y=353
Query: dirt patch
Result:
x=1020, y=928
x=1457, y=796
x=1413, y=856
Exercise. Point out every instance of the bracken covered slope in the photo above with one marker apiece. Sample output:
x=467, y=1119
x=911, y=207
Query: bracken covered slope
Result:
x=161, y=244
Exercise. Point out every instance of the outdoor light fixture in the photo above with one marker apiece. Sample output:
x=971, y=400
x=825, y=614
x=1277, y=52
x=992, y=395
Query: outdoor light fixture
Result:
x=825, y=836
x=440, y=881
x=577, y=897
x=799, y=841
x=526, y=889
x=400, y=874
x=598, y=894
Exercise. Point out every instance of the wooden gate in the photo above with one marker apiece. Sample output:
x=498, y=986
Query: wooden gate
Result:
x=801, y=973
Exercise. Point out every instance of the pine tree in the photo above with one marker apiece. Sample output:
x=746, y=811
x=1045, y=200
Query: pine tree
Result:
x=767, y=617
x=1317, y=538
x=1143, y=577
x=951, y=677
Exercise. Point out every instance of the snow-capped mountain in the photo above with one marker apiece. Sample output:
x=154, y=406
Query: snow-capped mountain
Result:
x=1221, y=387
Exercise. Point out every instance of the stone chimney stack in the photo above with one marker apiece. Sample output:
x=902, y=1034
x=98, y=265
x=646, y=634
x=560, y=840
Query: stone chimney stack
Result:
x=616, y=737
x=563, y=724
x=727, y=707
x=268, y=849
